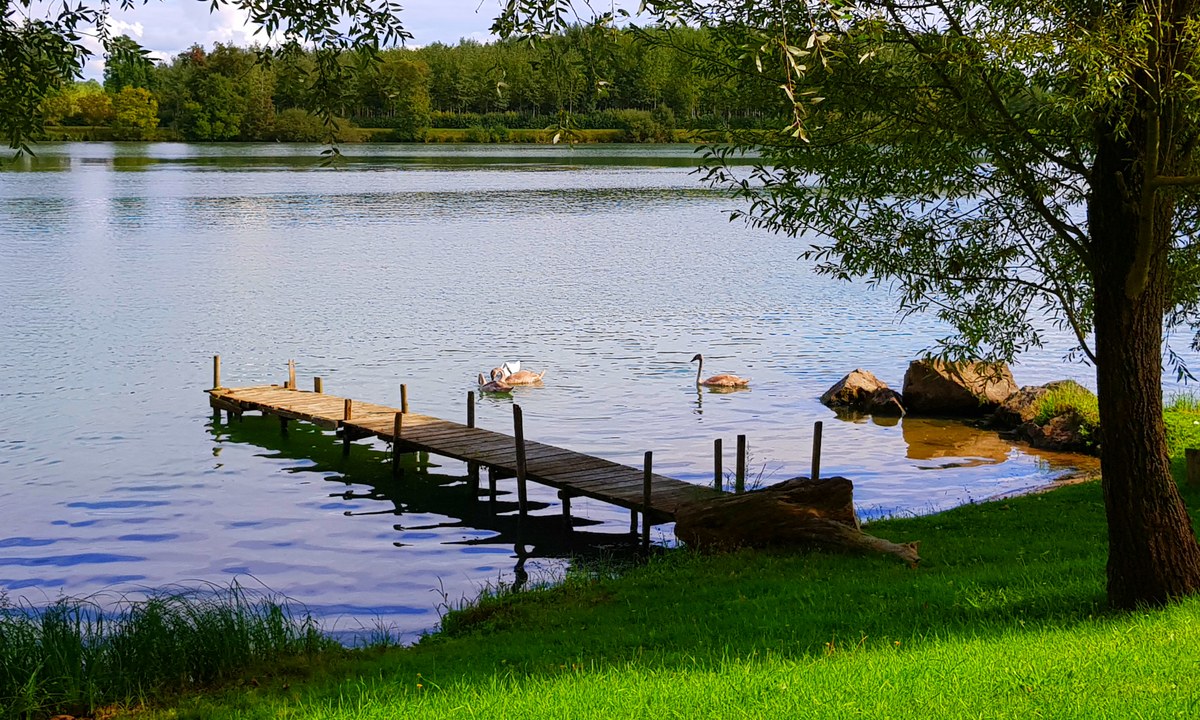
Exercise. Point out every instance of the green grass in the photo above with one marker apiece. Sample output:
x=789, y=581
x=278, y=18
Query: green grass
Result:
x=76, y=656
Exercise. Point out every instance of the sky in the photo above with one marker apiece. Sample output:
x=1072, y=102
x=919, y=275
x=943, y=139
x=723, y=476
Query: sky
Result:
x=167, y=27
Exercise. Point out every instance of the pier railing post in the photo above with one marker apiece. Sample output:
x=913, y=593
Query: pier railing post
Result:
x=403, y=398
x=519, y=435
x=470, y=408
x=740, y=480
x=347, y=413
x=816, y=452
x=216, y=371
x=318, y=385
x=647, y=474
x=292, y=374
x=718, y=481
x=397, y=426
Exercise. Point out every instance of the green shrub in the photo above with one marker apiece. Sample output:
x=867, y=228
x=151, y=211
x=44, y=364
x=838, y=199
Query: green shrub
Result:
x=296, y=125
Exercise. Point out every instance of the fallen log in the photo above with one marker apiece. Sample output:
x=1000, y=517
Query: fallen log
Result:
x=795, y=513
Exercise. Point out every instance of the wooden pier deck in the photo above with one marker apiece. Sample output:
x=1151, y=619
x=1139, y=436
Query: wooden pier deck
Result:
x=655, y=497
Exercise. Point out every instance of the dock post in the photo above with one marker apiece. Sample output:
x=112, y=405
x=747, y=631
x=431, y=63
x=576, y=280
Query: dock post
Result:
x=292, y=374
x=566, y=508
x=347, y=413
x=216, y=371
x=519, y=435
x=403, y=398
x=318, y=385
x=633, y=522
x=718, y=481
x=816, y=454
x=1192, y=459
x=397, y=426
x=740, y=481
x=647, y=472
x=492, y=487
x=472, y=466
x=283, y=425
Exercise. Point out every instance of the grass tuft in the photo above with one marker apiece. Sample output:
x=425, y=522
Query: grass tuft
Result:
x=1069, y=398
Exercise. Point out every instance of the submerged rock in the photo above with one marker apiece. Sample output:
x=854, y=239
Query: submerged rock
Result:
x=861, y=392
x=936, y=387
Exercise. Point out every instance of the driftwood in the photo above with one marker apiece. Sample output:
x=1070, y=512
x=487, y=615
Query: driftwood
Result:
x=795, y=513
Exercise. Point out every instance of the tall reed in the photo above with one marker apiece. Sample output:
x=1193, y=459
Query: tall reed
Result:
x=80, y=654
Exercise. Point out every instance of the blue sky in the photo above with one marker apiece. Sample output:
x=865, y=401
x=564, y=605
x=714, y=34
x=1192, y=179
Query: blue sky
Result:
x=167, y=27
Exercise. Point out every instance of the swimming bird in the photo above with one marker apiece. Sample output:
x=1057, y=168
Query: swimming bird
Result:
x=720, y=381
x=498, y=387
x=524, y=377
x=508, y=368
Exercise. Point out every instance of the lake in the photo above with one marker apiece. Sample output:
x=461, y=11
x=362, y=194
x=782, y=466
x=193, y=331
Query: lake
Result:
x=125, y=268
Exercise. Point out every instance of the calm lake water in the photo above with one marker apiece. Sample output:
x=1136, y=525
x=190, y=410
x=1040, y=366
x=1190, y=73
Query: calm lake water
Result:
x=125, y=268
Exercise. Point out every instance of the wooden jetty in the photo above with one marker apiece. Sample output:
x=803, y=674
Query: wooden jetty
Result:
x=653, y=497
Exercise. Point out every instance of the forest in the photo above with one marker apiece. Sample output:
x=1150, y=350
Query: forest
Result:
x=639, y=85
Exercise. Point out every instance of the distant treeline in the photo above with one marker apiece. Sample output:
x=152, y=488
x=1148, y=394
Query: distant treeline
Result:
x=642, y=83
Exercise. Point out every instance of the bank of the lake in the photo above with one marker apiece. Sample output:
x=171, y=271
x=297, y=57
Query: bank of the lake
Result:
x=1004, y=618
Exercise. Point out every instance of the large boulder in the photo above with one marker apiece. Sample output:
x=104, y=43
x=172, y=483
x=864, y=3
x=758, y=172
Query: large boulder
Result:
x=935, y=387
x=860, y=391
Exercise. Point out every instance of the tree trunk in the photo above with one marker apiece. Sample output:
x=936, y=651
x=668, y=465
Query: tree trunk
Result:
x=795, y=513
x=1152, y=550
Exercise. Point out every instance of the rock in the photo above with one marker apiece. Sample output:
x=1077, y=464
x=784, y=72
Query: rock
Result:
x=1019, y=408
x=886, y=402
x=1064, y=433
x=795, y=513
x=861, y=392
x=935, y=387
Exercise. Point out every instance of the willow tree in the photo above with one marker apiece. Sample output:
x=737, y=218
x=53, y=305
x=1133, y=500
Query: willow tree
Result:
x=1000, y=163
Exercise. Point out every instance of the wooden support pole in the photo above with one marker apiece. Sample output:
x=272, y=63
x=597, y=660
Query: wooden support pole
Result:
x=1192, y=459
x=292, y=374
x=347, y=413
x=647, y=473
x=216, y=371
x=740, y=481
x=491, y=484
x=816, y=453
x=519, y=435
x=318, y=385
x=566, y=508
x=403, y=398
x=718, y=481
x=633, y=522
x=348, y=409
x=283, y=425
x=397, y=426
x=471, y=408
